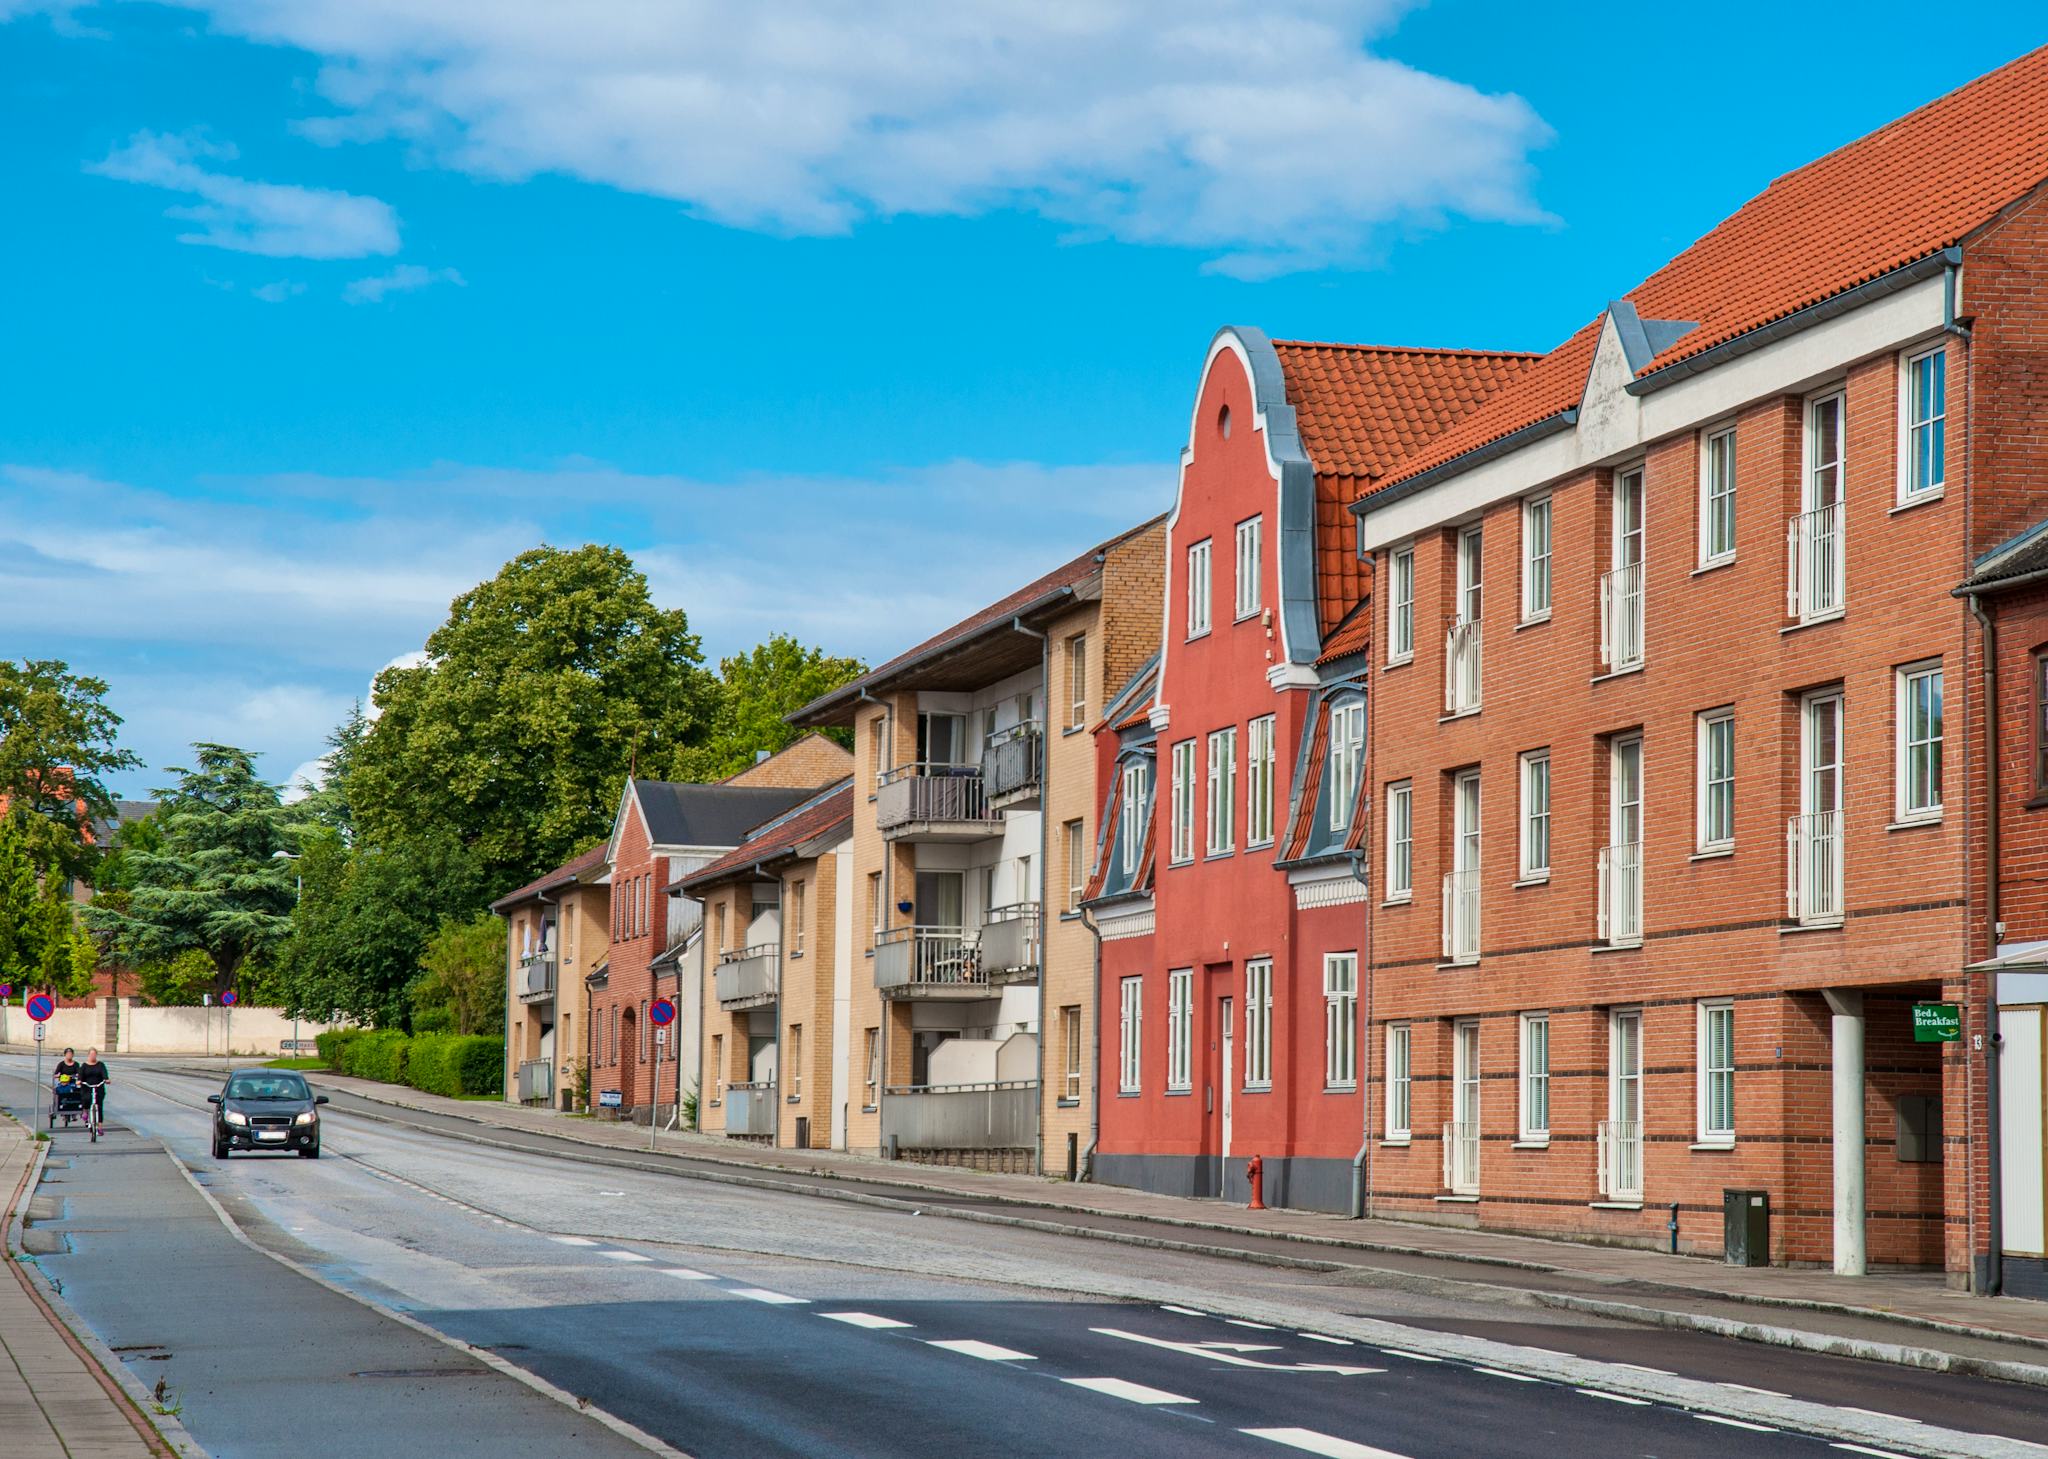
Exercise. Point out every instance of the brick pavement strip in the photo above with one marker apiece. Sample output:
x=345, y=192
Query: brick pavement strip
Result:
x=53, y=1393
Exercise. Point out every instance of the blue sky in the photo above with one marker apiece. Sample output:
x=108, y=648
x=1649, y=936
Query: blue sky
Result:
x=320, y=309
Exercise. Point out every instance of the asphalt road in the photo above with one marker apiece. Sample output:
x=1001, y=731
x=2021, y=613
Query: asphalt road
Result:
x=735, y=1322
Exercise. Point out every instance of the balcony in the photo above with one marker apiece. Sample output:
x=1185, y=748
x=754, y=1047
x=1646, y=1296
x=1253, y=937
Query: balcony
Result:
x=935, y=802
x=1009, y=944
x=535, y=1082
x=1621, y=1160
x=537, y=972
x=750, y=1110
x=928, y=962
x=1461, y=668
x=746, y=977
x=1000, y=1116
x=1013, y=765
x=1461, y=917
x=1813, y=869
x=1813, y=570
x=1461, y=1158
x=1621, y=894
x=1621, y=618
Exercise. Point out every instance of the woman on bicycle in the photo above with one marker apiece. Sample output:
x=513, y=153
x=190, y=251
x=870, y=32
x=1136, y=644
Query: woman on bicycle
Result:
x=93, y=1075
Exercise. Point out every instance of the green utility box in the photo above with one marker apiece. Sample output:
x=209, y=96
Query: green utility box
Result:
x=1746, y=1227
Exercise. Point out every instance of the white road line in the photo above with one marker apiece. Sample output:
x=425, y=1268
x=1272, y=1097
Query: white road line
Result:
x=625, y=1256
x=1745, y=1388
x=1311, y=1442
x=1639, y=1368
x=1615, y=1397
x=1504, y=1373
x=1736, y=1423
x=684, y=1274
x=1416, y=1357
x=1241, y=1322
x=1342, y=1342
x=1122, y=1388
x=762, y=1294
x=863, y=1319
x=1890, y=1418
x=1183, y=1311
x=573, y=1240
x=969, y=1347
x=1865, y=1449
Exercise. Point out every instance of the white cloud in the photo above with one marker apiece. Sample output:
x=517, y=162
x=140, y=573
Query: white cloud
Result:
x=278, y=292
x=276, y=220
x=404, y=279
x=1268, y=133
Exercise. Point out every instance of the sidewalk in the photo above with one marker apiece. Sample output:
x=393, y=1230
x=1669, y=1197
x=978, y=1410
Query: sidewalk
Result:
x=1911, y=1304
x=54, y=1396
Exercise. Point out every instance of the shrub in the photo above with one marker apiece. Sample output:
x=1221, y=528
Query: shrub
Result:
x=428, y=1065
x=379, y=1055
x=479, y=1063
x=333, y=1046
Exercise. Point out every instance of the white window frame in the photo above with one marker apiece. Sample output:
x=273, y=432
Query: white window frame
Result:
x=1809, y=466
x=1222, y=791
x=1535, y=817
x=1717, y=448
x=1070, y=1031
x=1401, y=841
x=1340, y=1020
x=871, y=1048
x=1259, y=777
x=1400, y=1072
x=1130, y=824
x=1909, y=458
x=1709, y=785
x=1130, y=1035
x=1533, y=1081
x=1077, y=681
x=1075, y=834
x=1200, y=598
x=1538, y=543
x=1184, y=801
x=1471, y=572
x=1347, y=758
x=1401, y=605
x=1258, y=1023
x=1180, y=1023
x=1248, y=545
x=795, y=935
x=1708, y=1132
x=1906, y=746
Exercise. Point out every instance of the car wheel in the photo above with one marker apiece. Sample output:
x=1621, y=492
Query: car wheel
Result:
x=311, y=1152
x=220, y=1148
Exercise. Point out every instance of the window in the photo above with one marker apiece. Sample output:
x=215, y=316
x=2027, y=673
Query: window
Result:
x=1347, y=758
x=1258, y=1024
x=1816, y=566
x=1340, y=1020
x=644, y=1032
x=1130, y=828
x=1535, y=1076
x=1398, y=1083
x=1129, y=1028
x=1222, y=790
x=1077, y=864
x=795, y=919
x=1400, y=841
x=1621, y=1138
x=793, y=1058
x=1471, y=570
x=1717, y=497
x=1823, y=486
x=1461, y=1155
x=1621, y=590
x=1814, y=882
x=718, y=928
x=878, y=745
x=1621, y=864
x=1536, y=558
x=1258, y=795
x=1077, y=681
x=1919, y=740
x=1717, y=1073
x=1070, y=1051
x=2040, y=721
x=942, y=738
x=718, y=1067
x=1536, y=814
x=871, y=1058
x=1248, y=568
x=1184, y=801
x=1461, y=885
x=1198, y=589
x=1180, y=1016
x=1717, y=780
x=878, y=910
x=1923, y=448
x=1401, y=605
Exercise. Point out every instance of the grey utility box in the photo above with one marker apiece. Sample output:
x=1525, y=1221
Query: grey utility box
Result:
x=1746, y=1227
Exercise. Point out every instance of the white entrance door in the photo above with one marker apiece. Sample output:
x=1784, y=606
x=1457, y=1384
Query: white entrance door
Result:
x=1622, y=1145
x=1229, y=1044
x=2021, y=1136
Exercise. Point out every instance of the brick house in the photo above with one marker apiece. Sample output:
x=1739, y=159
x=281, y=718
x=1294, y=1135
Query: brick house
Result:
x=556, y=935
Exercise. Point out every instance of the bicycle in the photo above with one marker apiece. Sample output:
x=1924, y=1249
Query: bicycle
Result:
x=98, y=1110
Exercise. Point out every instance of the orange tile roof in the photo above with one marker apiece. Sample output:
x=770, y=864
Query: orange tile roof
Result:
x=1349, y=637
x=1904, y=192
x=1362, y=409
x=825, y=811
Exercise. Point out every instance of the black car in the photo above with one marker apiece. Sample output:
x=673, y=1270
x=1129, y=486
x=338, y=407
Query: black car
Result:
x=266, y=1109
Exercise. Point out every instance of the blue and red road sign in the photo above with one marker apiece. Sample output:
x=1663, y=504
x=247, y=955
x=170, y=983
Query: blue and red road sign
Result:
x=228, y=998
x=41, y=1007
x=661, y=1013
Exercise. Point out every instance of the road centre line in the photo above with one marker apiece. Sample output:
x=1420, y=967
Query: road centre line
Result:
x=1764, y=1392
x=969, y=1347
x=864, y=1319
x=573, y=1240
x=1735, y=1423
x=1342, y=1342
x=1504, y=1373
x=1614, y=1397
x=1311, y=1442
x=1246, y=1322
x=1416, y=1357
x=1866, y=1449
x=775, y=1299
x=1660, y=1372
x=1125, y=1389
x=625, y=1256
x=684, y=1274
x=1183, y=1311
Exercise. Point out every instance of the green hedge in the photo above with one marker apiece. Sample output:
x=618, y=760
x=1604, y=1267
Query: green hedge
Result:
x=438, y=1063
x=379, y=1055
x=333, y=1044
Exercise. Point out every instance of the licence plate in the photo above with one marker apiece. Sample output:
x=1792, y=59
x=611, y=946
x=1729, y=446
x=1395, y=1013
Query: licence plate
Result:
x=270, y=1134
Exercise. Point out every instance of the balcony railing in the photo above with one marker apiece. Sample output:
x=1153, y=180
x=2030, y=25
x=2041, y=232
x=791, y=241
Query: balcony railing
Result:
x=1621, y=1160
x=1000, y=1116
x=1621, y=894
x=1461, y=667
x=1009, y=942
x=1813, y=868
x=1461, y=1158
x=939, y=796
x=1014, y=761
x=535, y=1081
x=1813, y=570
x=913, y=961
x=1461, y=917
x=747, y=976
x=750, y=1108
x=1621, y=618
x=537, y=976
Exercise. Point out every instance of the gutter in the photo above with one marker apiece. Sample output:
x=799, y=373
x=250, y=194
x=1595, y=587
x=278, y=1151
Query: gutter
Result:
x=1514, y=440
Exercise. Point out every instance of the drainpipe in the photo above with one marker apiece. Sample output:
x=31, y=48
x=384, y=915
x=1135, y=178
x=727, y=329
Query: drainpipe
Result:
x=1994, y=1275
x=1044, y=810
x=1361, y=1167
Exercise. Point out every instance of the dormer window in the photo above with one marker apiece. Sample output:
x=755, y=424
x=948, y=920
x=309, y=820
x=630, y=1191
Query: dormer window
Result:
x=1347, y=759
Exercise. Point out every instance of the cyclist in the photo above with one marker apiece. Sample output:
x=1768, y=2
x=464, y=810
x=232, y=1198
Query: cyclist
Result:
x=93, y=1075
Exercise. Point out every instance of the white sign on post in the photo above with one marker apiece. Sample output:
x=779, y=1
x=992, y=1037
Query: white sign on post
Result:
x=40, y=1031
x=661, y=1035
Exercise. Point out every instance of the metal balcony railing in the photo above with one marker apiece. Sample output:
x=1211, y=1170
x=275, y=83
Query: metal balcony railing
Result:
x=914, y=960
x=1461, y=667
x=1002, y=1116
x=537, y=972
x=1009, y=941
x=750, y=1108
x=1461, y=1158
x=535, y=1081
x=1813, y=868
x=1813, y=571
x=927, y=793
x=1621, y=1160
x=1014, y=761
x=747, y=977
x=1621, y=894
x=1621, y=618
x=1461, y=917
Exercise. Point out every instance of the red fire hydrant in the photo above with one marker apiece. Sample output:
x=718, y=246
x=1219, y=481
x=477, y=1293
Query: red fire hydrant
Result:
x=1255, y=1172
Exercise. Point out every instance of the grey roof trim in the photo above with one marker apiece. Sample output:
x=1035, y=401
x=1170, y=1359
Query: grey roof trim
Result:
x=1297, y=536
x=1550, y=425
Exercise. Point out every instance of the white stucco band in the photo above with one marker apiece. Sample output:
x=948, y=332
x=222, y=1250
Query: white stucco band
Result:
x=1614, y=424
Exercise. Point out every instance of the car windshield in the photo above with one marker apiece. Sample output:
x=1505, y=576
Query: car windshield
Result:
x=267, y=1086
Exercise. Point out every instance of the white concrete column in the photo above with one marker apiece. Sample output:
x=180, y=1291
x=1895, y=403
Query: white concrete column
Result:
x=1850, y=1249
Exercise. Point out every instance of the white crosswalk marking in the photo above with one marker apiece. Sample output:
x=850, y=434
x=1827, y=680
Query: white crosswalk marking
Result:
x=684, y=1274
x=1123, y=1388
x=762, y=1294
x=969, y=1347
x=863, y=1319
x=1311, y=1442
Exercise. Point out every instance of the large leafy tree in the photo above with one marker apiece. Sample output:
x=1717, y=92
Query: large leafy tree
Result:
x=42, y=944
x=461, y=987
x=539, y=691
x=756, y=691
x=57, y=746
x=215, y=883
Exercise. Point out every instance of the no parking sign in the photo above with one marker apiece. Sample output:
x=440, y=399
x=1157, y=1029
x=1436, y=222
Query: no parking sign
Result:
x=40, y=1008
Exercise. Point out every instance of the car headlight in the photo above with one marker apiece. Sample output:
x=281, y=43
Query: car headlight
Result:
x=234, y=1117
x=305, y=1117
